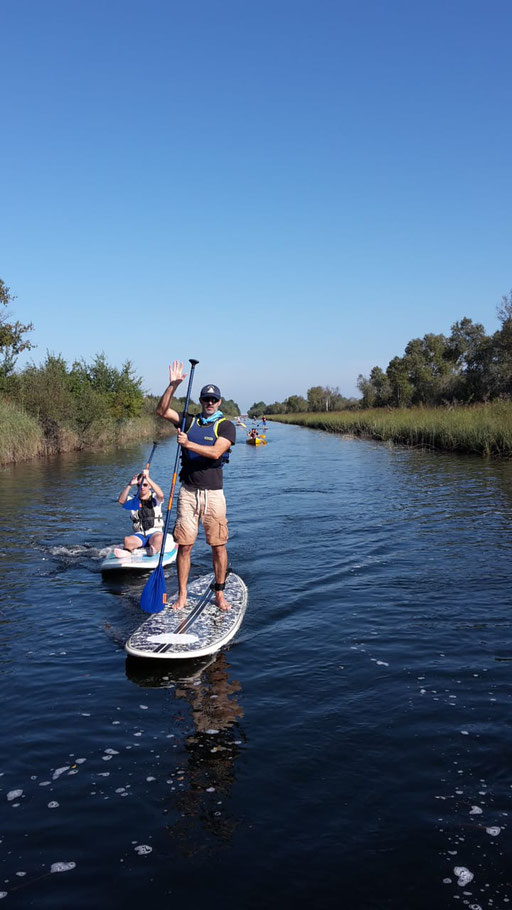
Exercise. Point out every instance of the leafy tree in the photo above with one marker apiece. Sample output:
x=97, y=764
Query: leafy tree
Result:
x=230, y=408
x=428, y=363
x=295, y=404
x=12, y=340
x=367, y=390
x=381, y=384
x=258, y=407
x=317, y=398
x=503, y=346
x=400, y=385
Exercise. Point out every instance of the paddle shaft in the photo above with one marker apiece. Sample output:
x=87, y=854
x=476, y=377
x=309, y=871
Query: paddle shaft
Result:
x=148, y=462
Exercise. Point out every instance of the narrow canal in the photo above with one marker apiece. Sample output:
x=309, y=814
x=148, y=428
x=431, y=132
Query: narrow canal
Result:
x=352, y=748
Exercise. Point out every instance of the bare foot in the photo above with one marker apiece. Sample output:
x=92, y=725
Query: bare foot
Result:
x=151, y=550
x=221, y=601
x=179, y=604
x=120, y=553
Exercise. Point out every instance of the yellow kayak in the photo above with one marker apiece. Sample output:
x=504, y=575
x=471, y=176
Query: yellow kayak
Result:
x=256, y=441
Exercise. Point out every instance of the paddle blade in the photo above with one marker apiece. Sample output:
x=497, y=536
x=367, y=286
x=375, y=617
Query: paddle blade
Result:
x=132, y=504
x=152, y=597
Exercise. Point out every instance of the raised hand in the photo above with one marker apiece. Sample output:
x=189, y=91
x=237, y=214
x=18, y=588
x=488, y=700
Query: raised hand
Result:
x=176, y=374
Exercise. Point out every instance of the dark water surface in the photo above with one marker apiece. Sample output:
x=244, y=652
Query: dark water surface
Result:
x=351, y=749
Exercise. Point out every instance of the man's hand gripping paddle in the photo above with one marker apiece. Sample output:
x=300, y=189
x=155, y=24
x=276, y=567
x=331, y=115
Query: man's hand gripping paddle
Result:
x=154, y=596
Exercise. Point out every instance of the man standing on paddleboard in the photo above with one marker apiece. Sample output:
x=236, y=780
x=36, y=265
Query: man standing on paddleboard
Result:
x=205, y=444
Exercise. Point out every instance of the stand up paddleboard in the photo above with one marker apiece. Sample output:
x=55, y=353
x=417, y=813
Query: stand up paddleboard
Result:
x=200, y=629
x=139, y=560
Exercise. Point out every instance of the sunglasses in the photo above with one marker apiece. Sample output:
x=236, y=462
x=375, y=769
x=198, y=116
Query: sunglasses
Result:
x=210, y=400
x=144, y=484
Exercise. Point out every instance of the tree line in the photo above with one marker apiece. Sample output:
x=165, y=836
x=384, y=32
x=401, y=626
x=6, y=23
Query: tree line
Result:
x=319, y=398
x=466, y=366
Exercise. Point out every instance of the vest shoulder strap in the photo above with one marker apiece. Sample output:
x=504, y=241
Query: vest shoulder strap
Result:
x=217, y=422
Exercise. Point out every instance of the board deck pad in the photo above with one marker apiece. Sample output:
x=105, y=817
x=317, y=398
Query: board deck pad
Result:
x=139, y=560
x=200, y=629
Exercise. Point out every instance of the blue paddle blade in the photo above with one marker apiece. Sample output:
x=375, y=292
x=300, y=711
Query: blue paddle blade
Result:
x=152, y=597
x=132, y=504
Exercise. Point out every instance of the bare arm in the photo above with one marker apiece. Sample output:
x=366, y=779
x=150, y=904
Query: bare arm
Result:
x=156, y=489
x=176, y=376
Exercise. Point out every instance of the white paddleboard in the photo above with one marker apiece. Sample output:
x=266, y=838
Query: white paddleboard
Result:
x=200, y=629
x=139, y=560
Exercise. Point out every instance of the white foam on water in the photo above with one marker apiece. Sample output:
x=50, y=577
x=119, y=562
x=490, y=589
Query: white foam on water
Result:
x=464, y=876
x=80, y=761
x=14, y=794
x=149, y=779
x=465, y=732
x=107, y=757
x=45, y=783
x=144, y=707
x=59, y=771
x=62, y=867
x=3, y=894
x=493, y=831
x=476, y=810
x=111, y=752
x=53, y=805
x=212, y=731
x=143, y=849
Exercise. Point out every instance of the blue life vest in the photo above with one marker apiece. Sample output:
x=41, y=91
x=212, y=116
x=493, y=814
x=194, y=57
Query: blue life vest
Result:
x=205, y=435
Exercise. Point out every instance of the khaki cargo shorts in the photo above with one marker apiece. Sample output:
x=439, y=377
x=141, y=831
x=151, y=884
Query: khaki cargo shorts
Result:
x=205, y=506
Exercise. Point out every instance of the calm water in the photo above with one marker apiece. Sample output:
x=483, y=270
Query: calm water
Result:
x=351, y=749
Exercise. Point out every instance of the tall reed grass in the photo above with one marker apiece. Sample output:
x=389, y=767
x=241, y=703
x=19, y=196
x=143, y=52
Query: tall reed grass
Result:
x=484, y=429
x=23, y=437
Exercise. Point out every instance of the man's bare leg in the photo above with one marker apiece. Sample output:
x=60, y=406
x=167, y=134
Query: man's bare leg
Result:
x=183, y=566
x=220, y=567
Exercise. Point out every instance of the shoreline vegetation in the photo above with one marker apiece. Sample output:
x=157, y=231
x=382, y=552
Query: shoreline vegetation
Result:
x=481, y=429
x=23, y=437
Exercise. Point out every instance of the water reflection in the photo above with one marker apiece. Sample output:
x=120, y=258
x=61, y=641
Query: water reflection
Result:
x=202, y=784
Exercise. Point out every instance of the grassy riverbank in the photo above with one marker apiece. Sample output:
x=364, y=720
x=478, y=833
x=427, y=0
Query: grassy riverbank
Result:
x=23, y=437
x=484, y=429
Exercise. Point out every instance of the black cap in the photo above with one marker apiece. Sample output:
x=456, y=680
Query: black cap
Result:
x=210, y=391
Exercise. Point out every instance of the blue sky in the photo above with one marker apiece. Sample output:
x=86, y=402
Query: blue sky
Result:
x=287, y=190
